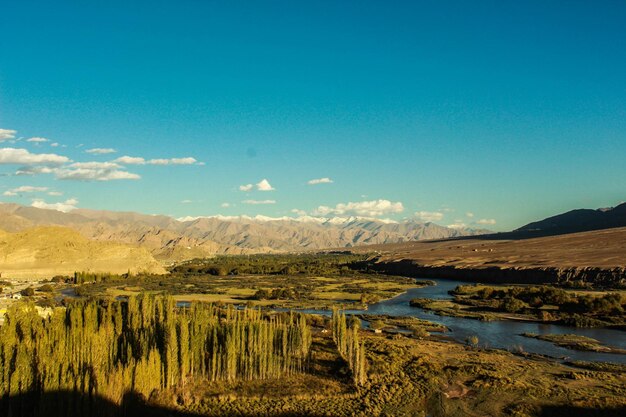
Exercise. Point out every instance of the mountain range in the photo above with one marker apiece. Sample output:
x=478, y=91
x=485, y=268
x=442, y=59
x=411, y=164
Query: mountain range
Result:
x=170, y=239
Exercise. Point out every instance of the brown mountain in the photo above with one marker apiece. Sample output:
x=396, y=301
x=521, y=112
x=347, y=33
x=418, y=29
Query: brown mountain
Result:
x=170, y=239
x=46, y=251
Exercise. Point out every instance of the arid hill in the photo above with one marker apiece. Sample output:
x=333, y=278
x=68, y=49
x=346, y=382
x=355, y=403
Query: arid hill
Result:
x=597, y=249
x=174, y=240
x=597, y=256
x=42, y=252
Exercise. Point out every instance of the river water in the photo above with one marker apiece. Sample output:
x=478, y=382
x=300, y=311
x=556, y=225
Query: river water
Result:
x=497, y=334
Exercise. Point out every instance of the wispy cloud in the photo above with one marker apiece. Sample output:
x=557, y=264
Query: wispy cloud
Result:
x=487, y=221
x=95, y=165
x=186, y=201
x=65, y=206
x=94, y=174
x=372, y=208
x=256, y=202
x=246, y=187
x=37, y=140
x=469, y=214
x=24, y=189
x=138, y=160
x=316, y=181
x=130, y=160
x=100, y=151
x=225, y=205
x=24, y=157
x=429, y=216
x=7, y=134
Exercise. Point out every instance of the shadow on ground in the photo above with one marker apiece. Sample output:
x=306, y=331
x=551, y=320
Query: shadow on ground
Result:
x=571, y=411
x=69, y=404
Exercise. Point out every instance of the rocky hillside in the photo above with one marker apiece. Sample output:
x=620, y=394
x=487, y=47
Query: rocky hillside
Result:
x=170, y=239
x=46, y=251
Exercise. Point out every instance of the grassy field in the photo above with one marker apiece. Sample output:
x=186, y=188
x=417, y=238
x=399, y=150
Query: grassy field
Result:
x=303, y=291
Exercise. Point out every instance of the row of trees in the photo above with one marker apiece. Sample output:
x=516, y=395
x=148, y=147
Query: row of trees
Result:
x=350, y=348
x=310, y=264
x=143, y=345
x=83, y=277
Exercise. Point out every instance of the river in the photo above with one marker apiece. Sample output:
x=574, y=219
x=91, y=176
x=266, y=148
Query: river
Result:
x=503, y=334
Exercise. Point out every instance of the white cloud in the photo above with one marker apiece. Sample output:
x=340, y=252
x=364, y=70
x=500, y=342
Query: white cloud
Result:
x=429, y=216
x=67, y=205
x=100, y=151
x=37, y=140
x=95, y=165
x=372, y=208
x=54, y=144
x=158, y=162
x=264, y=185
x=469, y=214
x=24, y=189
x=186, y=201
x=137, y=160
x=225, y=205
x=24, y=157
x=183, y=161
x=255, y=202
x=247, y=187
x=55, y=193
x=457, y=225
x=299, y=212
x=94, y=174
x=35, y=170
x=487, y=221
x=7, y=134
x=130, y=160
x=324, y=180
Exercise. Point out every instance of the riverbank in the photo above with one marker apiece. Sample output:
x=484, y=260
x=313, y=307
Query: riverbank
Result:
x=573, y=341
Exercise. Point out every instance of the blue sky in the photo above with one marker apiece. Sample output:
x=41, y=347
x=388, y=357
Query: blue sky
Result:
x=507, y=110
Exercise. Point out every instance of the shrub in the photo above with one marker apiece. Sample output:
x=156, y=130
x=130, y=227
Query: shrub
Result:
x=28, y=292
x=472, y=340
x=512, y=305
